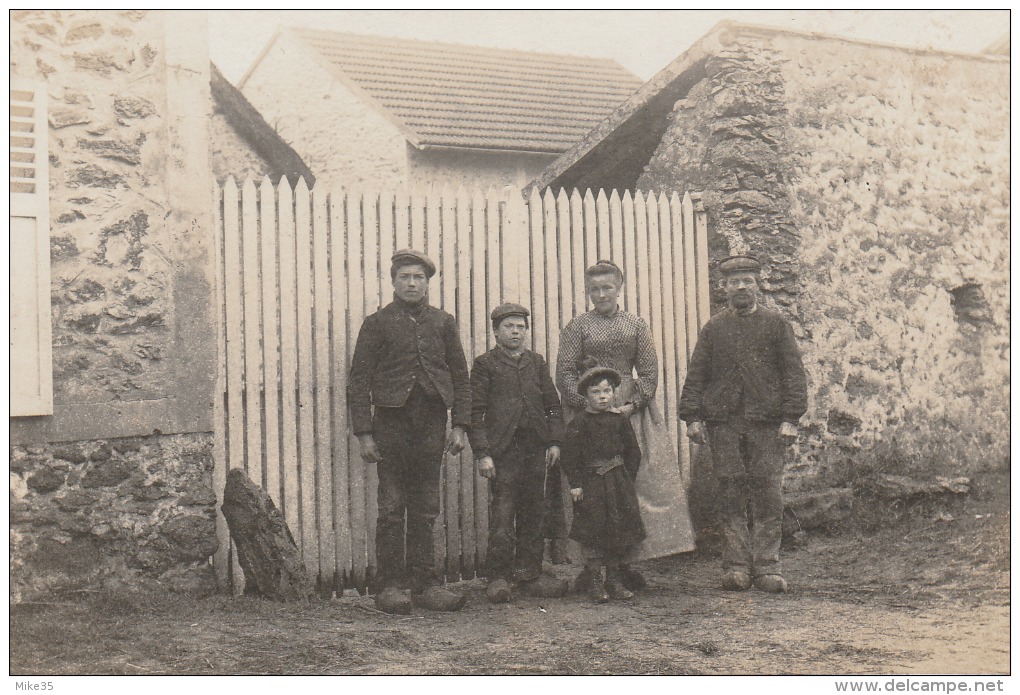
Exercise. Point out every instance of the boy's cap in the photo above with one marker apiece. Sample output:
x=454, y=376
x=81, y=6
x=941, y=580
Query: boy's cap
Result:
x=411, y=257
x=596, y=374
x=739, y=264
x=508, y=309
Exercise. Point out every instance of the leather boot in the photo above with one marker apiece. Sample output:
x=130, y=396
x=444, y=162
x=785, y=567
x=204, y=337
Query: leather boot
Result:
x=498, y=591
x=393, y=600
x=597, y=588
x=439, y=598
x=544, y=586
x=583, y=581
x=614, y=585
x=631, y=578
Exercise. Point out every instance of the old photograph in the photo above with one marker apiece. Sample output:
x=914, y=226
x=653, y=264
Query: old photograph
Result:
x=512, y=342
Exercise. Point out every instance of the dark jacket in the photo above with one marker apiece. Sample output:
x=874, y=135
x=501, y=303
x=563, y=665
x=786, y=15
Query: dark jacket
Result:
x=747, y=365
x=507, y=395
x=399, y=344
x=595, y=437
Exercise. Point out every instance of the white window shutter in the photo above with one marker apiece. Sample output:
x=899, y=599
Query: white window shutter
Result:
x=31, y=351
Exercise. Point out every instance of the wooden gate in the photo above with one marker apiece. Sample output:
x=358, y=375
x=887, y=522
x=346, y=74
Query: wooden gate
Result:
x=299, y=270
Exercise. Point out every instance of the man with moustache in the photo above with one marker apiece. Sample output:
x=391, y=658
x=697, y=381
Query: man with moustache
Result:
x=408, y=370
x=744, y=394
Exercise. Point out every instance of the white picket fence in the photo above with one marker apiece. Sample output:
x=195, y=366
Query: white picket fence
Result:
x=299, y=270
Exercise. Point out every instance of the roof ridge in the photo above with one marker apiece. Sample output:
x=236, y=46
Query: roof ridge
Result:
x=449, y=44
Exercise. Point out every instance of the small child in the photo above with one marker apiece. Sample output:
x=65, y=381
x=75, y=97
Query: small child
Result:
x=601, y=457
x=516, y=430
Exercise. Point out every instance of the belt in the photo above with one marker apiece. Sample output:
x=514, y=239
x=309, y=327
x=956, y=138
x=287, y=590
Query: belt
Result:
x=603, y=466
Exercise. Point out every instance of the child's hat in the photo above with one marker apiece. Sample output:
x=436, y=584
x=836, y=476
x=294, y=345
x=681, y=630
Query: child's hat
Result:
x=596, y=374
x=508, y=309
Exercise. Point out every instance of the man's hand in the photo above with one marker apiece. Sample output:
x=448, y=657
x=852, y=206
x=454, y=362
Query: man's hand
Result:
x=788, y=433
x=576, y=494
x=455, y=441
x=369, y=449
x=696, y=433
x=486, y=467
x=552, y=456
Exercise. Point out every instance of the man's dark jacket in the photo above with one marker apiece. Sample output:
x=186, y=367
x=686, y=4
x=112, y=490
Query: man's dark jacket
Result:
x=747, y=365
x=398, y=346
x=508, y=394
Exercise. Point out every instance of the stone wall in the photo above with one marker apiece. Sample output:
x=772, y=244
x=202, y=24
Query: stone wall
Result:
x=110, y=267
x=130, y=261
x=112, y=513
x=344, y=140
x=875, y=183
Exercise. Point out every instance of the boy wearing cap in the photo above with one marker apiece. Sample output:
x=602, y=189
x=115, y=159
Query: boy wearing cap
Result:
x=516, y=429
x=746, y=385
x=408, y=370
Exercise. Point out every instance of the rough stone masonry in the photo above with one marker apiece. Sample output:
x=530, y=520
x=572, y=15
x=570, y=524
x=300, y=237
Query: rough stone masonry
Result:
x=87, y=509
x=875, y=182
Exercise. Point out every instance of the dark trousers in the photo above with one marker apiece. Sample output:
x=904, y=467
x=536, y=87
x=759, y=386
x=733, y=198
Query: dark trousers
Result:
x=411, y=440
x=748, y=460
x=516, y=509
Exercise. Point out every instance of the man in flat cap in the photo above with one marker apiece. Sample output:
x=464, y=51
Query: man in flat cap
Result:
x=409, y=366
x=516, y=430
x=746, y=386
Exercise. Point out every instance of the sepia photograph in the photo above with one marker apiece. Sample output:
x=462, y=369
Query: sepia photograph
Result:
x=510, y=342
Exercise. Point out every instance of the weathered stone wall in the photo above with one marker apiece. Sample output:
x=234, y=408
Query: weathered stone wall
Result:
x=875, y=183
x=342, y=139
x=133, y=332
x=475, y=169
x=109, y=263
x=112, y=513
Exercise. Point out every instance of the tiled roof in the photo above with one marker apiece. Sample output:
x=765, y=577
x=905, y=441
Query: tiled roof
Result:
x=466, y=96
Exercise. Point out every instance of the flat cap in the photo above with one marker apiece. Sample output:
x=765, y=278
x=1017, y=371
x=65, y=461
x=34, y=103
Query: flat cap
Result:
x=508, y=309
x=739, y=264
x=596, y=374
x=411, y=257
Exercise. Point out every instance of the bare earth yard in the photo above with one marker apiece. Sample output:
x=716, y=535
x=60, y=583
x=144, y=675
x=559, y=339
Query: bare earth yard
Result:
x=929, y=594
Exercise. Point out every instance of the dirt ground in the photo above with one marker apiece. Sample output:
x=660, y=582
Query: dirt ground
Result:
x=919, y=589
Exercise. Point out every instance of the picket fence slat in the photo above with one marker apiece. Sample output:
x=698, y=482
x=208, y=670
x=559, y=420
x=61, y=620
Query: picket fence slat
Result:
x=251, y=328
x=667, y=356
x=297, y=272
x=356, y=292
x=288, y=358
x=538, y=273
x=219, y=476
x=339, y=366
x=270, y=339
x=604, y=244
x=306, y=378
x=321, y=391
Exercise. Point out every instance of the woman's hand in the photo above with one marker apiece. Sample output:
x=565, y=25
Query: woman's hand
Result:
x=455, y=441
x=552, y=456
x=627, y=409
x=576, y=494
x=486, y=467
x=696, y=433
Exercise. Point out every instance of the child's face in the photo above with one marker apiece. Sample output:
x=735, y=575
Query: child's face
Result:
x=511, y=332
x=600, y=395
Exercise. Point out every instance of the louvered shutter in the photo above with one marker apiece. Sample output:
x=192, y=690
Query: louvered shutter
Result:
x=31, y=359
